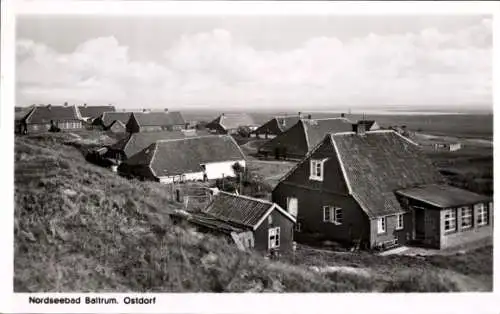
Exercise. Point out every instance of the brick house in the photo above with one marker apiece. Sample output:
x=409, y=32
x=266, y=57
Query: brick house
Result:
x=276, y=126
x=196, y=158
x=377, y=188
x=155, y=121
x=298, y=140
x=251, y=222
x=229, y=123
x=41, y=118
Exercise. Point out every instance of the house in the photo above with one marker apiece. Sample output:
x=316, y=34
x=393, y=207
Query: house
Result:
x=276, y=126
x=133, y=143
x=295, y=142
x=155, y=121
x=229, y=123
x=378, y=189
x=113, y=121
x=42, y=118
x=265, y=225
x=185, y=159
x=451, y=147
x=19, y=114
x=90, y=113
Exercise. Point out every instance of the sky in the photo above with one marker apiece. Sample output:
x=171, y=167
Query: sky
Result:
x=318, y=62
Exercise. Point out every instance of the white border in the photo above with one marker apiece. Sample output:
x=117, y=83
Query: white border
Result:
x=218, y=303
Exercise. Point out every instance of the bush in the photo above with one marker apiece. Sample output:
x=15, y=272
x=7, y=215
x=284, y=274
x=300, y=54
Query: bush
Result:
x=421, y=282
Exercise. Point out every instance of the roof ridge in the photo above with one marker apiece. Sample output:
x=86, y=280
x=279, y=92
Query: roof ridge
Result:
x=191, y=137
x=249, y=198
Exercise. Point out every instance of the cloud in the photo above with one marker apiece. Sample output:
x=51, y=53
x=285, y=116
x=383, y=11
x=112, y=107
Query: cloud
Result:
x=215, y=68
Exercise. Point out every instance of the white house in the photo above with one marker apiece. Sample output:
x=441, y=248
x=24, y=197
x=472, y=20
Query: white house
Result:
x=187, y=159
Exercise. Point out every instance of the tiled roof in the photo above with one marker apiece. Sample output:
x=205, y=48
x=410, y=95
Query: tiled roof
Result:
x=379, y=163
x=136, y=142
x=316, y=129
x=244, y=210
x=161, y=118
x=233, y=120
x=94, y=111
x=44, y=114
x=443, y=195
x=110, y=117
x=186, y=155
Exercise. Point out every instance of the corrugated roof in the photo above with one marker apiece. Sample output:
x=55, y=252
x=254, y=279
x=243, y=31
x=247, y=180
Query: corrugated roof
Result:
x=379, y=163
x=94, y=111
x=186, y=155
x=244, y=210
x=110, y=117
x=159, y=118
x=136, y=142
x=233, y=120
x=44, y=114
x=443, y=195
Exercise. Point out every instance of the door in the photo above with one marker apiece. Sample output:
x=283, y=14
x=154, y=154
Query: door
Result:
x=292, y=206
x=419, y=224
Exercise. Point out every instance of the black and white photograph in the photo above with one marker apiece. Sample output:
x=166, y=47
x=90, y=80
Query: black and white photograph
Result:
x=256, y=153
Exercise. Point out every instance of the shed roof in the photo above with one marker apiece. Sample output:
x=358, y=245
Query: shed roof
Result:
x=443, y=195
x=186, y=155
x=233, y=120
x=44, y=114
x=242, y=209
x=377, y=164
x=95, y=111
x=159, y=118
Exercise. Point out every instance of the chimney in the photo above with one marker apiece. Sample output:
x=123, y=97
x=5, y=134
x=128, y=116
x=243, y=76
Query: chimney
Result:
x=309, y=117
x=300, y=115
x=85, y=105
x=222, y=114
x=166, y=109
x=144, y=110
x=49, y=106
x=65, y=104
x=342, y=115
x=360, y=128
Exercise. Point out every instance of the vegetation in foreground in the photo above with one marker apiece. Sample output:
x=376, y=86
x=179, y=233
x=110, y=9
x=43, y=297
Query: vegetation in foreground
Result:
x=80, y=227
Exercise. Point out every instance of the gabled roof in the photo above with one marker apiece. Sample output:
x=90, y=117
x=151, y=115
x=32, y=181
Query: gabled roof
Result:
x=316, y=129
x=44, y=114
x=159, y=118
x=94, y=111
x=377, y=164
x=286, y=122
x=443, y=195
x=136, y=142
x=233, y=120
x=109, y=117
x=241, y=209
x=186, y=155
x=21, y=112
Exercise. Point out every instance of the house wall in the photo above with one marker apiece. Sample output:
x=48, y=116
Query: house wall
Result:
x=35, y=127
x=402, y=236
x=217, y=170
x=193, y=176
x=261, y=234
x=468, y=235
x=293, y=140
x=69, y=125
x=310, y=203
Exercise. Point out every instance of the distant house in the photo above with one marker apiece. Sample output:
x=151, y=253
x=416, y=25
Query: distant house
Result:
x=295, y=142
x=113, y=121
x=276, y=126
x=187, y=159
x=251, y=222
x=133, y=143
x=155, y=121
x=451, y=147
x=42, y=118
x=229, y=123
x=378, y=188
x=19, y=114
x=90, y=113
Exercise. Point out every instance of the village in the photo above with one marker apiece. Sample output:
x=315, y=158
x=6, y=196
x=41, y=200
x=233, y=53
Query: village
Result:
x=334, y=183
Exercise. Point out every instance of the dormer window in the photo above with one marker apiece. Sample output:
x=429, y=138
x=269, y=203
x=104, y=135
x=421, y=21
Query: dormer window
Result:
x=317, y=166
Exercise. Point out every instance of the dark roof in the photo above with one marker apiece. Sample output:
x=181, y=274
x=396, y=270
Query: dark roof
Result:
x=316, y=129
x=94, y=111
x=443, y=195
x=211, y=222
x=233, y=120
x=21, y=112
x=289, y=122
x=240, y=209
x=109, y=117
x=136, y=142
x=160, y=118
x=369, y=124
x=377, y=164
x=44, y=114
x=186, y=155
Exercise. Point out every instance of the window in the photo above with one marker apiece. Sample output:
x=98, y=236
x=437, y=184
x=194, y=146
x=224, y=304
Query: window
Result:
x=399, y=222
x=332, y=214
x=292, y=206
x=298, y=227
x=450, y=220
x=274, y=237
x=481, y=214
x=317, y=169
x=381, y=225
x=466, y=214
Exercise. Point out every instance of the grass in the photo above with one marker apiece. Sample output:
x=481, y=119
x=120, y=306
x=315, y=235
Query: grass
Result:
x=82, y=228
